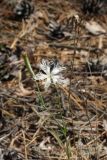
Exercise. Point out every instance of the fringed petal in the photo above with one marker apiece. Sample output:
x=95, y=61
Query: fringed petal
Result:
x=40, y=76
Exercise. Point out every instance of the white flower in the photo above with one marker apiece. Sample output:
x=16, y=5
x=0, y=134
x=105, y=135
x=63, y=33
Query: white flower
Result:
x=50, y=73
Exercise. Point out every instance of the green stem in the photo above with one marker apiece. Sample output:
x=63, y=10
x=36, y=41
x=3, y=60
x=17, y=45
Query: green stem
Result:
x=28, y=65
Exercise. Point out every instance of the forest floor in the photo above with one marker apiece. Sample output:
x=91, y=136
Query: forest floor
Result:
x=67, y=123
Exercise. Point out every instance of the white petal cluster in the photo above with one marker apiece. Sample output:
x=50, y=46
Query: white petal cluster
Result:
x=50, y=73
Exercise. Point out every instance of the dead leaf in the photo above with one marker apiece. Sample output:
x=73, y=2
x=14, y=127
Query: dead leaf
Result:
x=22, y=91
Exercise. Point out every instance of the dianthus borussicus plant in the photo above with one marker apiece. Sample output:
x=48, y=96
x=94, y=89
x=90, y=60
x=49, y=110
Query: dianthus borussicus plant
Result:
x=50, y=73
